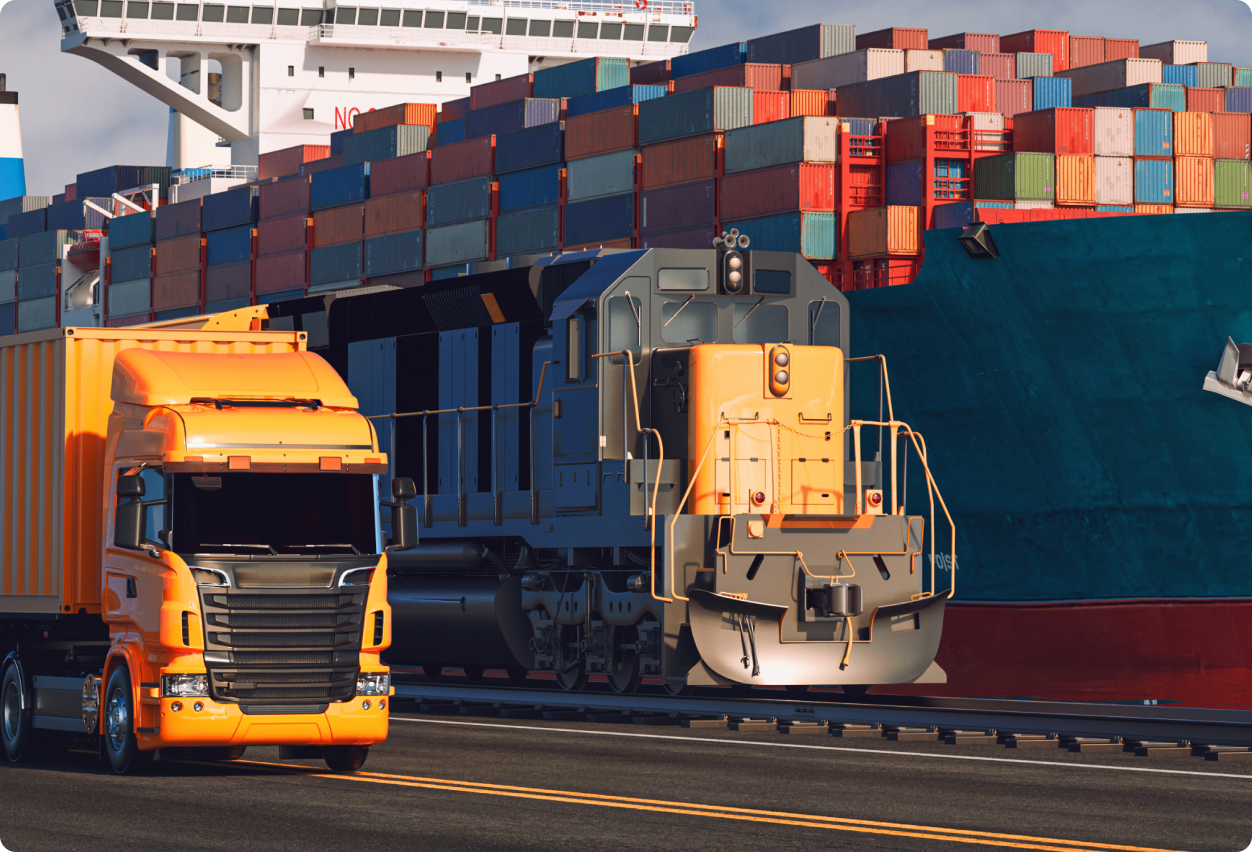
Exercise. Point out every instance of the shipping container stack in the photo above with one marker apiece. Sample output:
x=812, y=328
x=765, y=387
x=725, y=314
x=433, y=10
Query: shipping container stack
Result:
x=284, y=220
x=393, y=235
x=176, y=268
x=127, y=264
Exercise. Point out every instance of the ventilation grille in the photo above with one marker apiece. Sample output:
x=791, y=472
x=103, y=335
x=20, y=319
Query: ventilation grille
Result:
x=461, y=307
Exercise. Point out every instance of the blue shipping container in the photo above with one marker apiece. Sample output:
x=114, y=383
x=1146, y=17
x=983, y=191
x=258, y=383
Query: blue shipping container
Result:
x=1114, y=209
x=1183, y=75
x=458, y=202
x=336, y=141
x=1239, y=99
x=582, y=78
x=130, y=264
x=1053, y=92
x=344, y=185
x=621, y=96
x=540, y=187
x=35, y=282
x=534, y=146
x=331, y=264
x=861, y=126
x=30, y=222
x=229, y=246
x=961, y=213
x=137, y=229
x=393, y=254
x=230, y=209
x=709, y=60
x=694, y=113
x=1154, y=134
x=1144, y=96
x=102, y=183
x=528, y=232
x=810, y=234
x=449, y=132
x=66, y=216
x=600, y=220
x=960, y=61
x=1154, y=181
x=904, y=183
x=511, y=117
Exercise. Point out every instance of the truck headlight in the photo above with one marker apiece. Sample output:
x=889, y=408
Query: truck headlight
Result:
x=373, y=684
x=184, y=685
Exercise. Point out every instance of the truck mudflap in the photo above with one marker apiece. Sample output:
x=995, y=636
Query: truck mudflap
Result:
x=741, y=641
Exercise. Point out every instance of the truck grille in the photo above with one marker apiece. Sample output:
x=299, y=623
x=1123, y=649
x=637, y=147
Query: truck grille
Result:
x=282, y=648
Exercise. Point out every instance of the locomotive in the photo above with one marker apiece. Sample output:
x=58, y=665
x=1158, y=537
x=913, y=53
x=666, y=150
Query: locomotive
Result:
x=642, y=463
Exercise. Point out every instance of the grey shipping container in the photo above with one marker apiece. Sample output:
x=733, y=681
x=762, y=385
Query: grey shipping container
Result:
x=393, y=253
x=131, y=263
x=460, y=243
x=8, y=287
x=528, y=231
x=334, y=263
x=9, y=253
x=130, y=297
x=802, y=45
x=901, y=96
x=37, y=314
x=385, y=143
x=36, y=282
x=44, y=247
x=458, y=202
x=804, y=139
x=22, y=204
x=595, y=177
x=699, y=112
x=1034, y=65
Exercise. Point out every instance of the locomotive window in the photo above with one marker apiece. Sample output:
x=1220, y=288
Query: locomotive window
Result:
x=824, y=323
x=683, y=279
x=624, y=324
x=689, y=322
x=771, y=281
x=758, y=323
x=575, y=327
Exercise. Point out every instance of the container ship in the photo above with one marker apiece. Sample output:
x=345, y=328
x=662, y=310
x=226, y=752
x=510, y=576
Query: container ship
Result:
x=995, y=207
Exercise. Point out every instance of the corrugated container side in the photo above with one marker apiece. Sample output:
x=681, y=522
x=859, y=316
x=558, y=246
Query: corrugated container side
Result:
x=1154, y=181
x=399, y=114
x=688, y=238
x=770, y=106
x=1114, y=131
x=528, y=232
x=796, y=140
x=903, y=95
x=1015, y=96
x=454, y=110
x=1052, y=92
x=904, y=183
x=680, y=207
x=814, y=102
x=1193, y=134
x=537, y=187
x=176, y=290
x=128, y=298
x=37, y=282
x=30, y=222
x=534, y=146
x=450, y=132
x=610, y=98
x=66, y=216
x=1145, y=96
x=402, y=174
x=37, y=315
x=1085, y=50
x=44, y=247
x=282, y=273
x=897, y=38
x=230, y=209
x=502, y=91
x=131, y=264
x=322, y=165
x=884, y=231
x=1211, y=75
x=1055, y=131
x=1182, y=75
x=9, y=254
x=465, y=242
x=960, y=61
x=338, y=225
x=582, y=77
x=459, y=202
x=137, y=229
x=1206, y=100
x=764, y=76
x=1232, y=183
x=595, y=177
x=1055, y=42
x=336, y=141
x=334, y=263
x=599, y=220
x=1193, y=181
x=391, y=254
x=233, y=281
x=923, y=60
x=707, y=60
x=847, y=68
x=392, y=214
x=228, y=246
x=781, y=189
x=1118, y=74
x=1016, y=176
x=512, y=117
x=680, y=161
x=1238, y=99
x=812, y=235
x=1232, y=136
x=1242, y=77
x=694, y=113
x=1177, y=52
x=282, y=234
x=385, y=143
x=276, y=199
x=1075, y=180
x=289, y=160
x=1002, y=66
x=1154, y=133
x=1115, y=180
x=975, y=93
x=1121, y=48
x=463, y=160
x=958, y=214
x=601, y=132
x=344, y=185
x=802, y=45
x=1031, y=65
x=178, y=255
x=982, y=42
x=651, y=73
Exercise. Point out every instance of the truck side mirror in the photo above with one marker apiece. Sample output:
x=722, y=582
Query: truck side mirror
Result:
x=128, y=527
x=403, y=516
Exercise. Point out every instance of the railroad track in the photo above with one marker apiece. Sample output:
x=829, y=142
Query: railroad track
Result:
x=1148, y=731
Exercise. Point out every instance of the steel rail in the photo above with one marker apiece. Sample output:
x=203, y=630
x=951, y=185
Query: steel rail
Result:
x=1055, y=720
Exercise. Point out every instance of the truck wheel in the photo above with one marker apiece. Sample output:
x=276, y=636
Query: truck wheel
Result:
x=229, y=752
x=345, y=758
x=120, y=744
x=15, y=722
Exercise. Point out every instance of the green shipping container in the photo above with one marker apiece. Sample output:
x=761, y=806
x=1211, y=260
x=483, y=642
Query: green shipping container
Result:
x=1016, y=177
x=1243, y=76
x=1232, y=183
x=813, y=235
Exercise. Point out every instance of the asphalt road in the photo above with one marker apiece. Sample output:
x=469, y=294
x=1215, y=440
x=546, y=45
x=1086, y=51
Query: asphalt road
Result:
x=493, y=784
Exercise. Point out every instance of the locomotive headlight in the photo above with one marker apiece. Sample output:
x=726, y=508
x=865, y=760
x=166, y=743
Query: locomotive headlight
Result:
x=735, y=262
x=781, y=377
x=184, y=685
x=373, y=684
x=778, y=372
x=781, y=358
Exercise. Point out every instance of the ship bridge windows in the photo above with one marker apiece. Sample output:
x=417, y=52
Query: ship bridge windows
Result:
x=562, y=29
x=186, y=12
x=632, y=32
x=681, y=35
x=491, y=25
x=213, y=13
x=456, y=21
x=389, y=18
x=237, y=14
x=612, y=32
x=588, y=30
x=824, y=323
x=689, y=321
x=137, y=9
x=434, y=21
x=761, y=323
x=162, y=11
x=288, y=17
x=309, y=17
x=411, y=18
x=345, y=15
x=658, y=32
x=111, y=8
x=367, y=18
x=541, y=29
x=263, y=15
x=515, y=27
x=86, y=8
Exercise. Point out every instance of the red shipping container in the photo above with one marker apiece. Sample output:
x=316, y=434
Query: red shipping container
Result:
x=420, y=114
x=906, y=137
x=671, y=208
x=282, y=234
x=1060, y=130
x=601, y=132
x=281, y=273
x=650, y=73
x=321, y=165
x=976, y=93
x=179, y=255
x=288, y=161
x=754, y=75
x=1085, y=50
x=781, y=189
x=394, y=214
x=284, y=197
x=1002, y=66
x=1055, y=42
x=1205, y=100
x=688, y=238
x=178, y=220
x=895, y=38
x=452, y=110
x=1014, y=97
x=1121, y=48
x=982, y=42
x=232, y=281
x=71, y=192
x=502, y=91
x=1232, y=136
x=463, y=160
x=337, y=225
x=400, y=174
x=808, y=102
x=680, y=160
x=176, y=290
x=770, y=106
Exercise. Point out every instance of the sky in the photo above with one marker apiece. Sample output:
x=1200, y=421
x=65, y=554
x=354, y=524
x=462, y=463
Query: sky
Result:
x=76, y=116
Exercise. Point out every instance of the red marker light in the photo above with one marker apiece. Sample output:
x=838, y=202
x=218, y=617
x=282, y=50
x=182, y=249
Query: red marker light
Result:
x=875, y=498
x=758, y=498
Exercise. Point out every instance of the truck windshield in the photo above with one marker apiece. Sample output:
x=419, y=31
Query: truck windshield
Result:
x=273, y=513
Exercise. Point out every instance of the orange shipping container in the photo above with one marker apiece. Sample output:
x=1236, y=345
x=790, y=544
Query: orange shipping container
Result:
x=975, y=93
x=601, y=132
x=181, y=254
x=1232, y=136
x=809, y=102
x=423, y=114
x=1121, y=48
x=1085, y=50
x=1154, y=209
x=337, y=225
x=1193, y=182
x=885, y=231
x=1205, y=100
x=285, y=233
x=289, y=160
x=179, y=290
x=770, y=106
x=1193, y=135
x=681, y=160
x=1075, y=180
x=394, y=214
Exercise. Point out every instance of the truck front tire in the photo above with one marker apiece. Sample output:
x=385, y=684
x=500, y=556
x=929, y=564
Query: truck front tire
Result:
x=15, y=727
x=345, y=758
x=118, y=722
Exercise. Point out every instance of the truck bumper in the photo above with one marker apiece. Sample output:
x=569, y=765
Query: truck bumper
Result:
x=344, y=723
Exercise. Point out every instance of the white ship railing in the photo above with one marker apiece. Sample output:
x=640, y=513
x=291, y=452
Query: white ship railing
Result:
x=182, y=177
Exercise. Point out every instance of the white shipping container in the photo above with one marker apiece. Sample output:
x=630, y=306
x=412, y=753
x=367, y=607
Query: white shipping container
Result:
x=1033, y=205
x=1176, y=52
x=987, y=120
x=1115, y=181
x=1114, y=132
x=923, y=60
x=1118, y=74
x=803, y=139
x=1193, y=209
x=847, y=68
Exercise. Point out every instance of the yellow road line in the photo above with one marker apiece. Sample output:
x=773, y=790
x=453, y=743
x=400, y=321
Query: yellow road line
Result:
x=954, y=835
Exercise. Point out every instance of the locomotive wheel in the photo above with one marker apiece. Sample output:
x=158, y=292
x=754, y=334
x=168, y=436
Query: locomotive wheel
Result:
x=517, y=674
x=571, y=668
x=432, y=671
x=474, y=674
x=624, y=671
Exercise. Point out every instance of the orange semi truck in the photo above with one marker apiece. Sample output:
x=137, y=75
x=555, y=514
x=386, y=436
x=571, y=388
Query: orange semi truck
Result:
x=190, y=546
